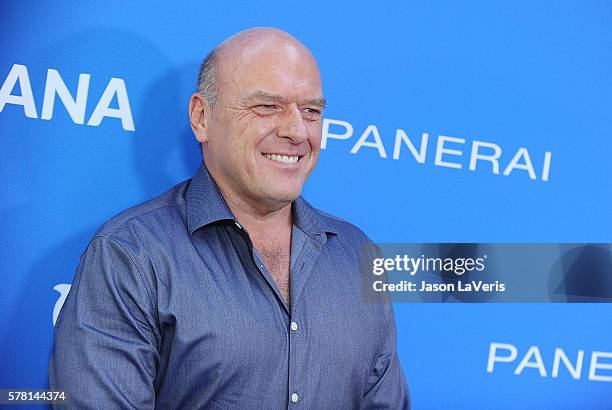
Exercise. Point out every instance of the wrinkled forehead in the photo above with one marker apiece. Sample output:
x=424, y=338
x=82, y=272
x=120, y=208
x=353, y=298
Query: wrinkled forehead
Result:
x=272, y=64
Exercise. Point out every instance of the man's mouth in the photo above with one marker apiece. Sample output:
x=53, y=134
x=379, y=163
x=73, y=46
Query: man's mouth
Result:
x=285, y=159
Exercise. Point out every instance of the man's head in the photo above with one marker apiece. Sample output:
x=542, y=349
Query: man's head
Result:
x=258, y=115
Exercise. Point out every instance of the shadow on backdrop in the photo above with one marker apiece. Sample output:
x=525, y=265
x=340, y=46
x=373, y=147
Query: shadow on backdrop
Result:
x=164, y=153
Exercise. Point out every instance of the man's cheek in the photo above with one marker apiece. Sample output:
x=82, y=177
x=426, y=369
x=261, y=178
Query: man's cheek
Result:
x=315, y=129
x=262, y=125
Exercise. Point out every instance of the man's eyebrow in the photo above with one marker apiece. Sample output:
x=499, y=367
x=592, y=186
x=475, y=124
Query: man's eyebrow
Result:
x=265, y=96
x=321, y=102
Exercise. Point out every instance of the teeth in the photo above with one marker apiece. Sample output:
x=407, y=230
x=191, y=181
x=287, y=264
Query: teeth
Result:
x=282, y=158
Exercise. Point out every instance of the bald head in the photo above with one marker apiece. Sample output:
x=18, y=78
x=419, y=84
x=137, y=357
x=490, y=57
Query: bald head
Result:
x=248, y=47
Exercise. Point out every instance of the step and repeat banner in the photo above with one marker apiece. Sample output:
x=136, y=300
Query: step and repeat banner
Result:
x=452, y=128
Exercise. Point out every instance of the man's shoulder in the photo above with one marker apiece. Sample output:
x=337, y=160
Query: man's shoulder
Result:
x=154, y=213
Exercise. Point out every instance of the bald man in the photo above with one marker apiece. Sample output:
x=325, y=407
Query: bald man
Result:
x=230, y=291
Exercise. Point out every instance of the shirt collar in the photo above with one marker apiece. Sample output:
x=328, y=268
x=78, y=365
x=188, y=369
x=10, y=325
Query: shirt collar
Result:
x=206, y=205
x=309, y=220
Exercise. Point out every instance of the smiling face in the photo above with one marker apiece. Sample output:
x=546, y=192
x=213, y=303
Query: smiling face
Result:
x=263, y=140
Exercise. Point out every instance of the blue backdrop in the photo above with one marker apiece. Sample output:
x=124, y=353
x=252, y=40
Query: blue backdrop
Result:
x=527, y=83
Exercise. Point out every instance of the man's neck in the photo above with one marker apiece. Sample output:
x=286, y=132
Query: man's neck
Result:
x=261, y=226
x=262, y=222
x=269, y=228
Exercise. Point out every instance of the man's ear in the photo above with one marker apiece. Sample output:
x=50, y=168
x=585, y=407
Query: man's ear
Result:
x=198, y=117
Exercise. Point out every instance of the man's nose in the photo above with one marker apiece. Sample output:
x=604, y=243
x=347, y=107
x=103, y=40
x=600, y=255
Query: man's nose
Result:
x=292, y=125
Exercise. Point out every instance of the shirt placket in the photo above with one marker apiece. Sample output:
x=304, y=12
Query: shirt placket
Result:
x=296, y=333
x=297, y=345
x=298, y=326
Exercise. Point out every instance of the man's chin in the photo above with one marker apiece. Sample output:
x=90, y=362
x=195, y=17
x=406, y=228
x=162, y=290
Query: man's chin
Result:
x=282, y=197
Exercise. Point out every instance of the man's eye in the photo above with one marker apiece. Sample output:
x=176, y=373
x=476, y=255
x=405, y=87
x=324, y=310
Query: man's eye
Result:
x=266, y=108
x=312, y=113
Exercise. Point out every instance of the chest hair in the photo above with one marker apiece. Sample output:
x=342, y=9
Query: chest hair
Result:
x=276, y=256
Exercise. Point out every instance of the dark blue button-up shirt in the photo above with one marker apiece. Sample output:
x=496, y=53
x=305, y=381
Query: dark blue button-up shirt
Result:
x=173, y=307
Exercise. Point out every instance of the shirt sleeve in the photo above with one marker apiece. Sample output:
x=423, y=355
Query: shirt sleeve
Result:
x=387, y=387
x=106, y=337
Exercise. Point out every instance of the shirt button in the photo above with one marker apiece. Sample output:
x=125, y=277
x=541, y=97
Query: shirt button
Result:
x=294, y=326
x=295, y=397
